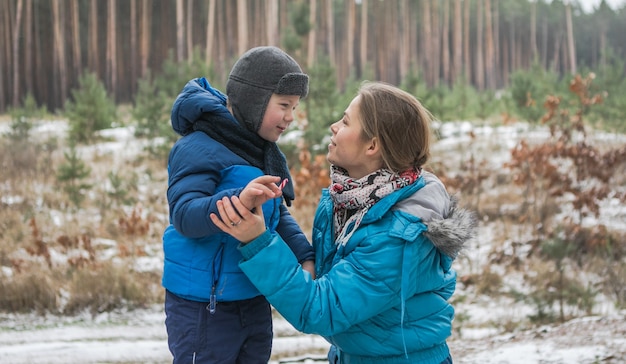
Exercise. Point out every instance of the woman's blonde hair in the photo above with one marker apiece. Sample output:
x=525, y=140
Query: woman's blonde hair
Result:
x=399, y=121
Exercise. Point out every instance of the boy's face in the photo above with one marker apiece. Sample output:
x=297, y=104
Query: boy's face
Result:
x=278, y=115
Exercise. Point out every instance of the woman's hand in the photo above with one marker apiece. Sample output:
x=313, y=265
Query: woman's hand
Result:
x=238, y=221
x=260, y=190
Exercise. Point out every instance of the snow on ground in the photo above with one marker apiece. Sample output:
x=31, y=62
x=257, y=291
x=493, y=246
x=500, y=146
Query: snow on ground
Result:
x=128, y=337
x=139, y=337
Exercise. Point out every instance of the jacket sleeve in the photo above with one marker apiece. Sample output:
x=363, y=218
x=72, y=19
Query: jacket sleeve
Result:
x=358, y=287
x=192, y=187
x=292, y=234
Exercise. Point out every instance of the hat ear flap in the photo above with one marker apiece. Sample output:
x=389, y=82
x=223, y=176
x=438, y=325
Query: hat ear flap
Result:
x=248, y=104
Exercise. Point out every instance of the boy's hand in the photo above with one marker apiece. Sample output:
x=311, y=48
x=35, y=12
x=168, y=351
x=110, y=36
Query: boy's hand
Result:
x=260, y=190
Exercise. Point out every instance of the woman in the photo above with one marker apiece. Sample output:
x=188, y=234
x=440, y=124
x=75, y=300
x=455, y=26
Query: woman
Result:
x=385, y=234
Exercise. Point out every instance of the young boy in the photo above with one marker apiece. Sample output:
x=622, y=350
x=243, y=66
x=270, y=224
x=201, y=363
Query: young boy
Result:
x=213, y=312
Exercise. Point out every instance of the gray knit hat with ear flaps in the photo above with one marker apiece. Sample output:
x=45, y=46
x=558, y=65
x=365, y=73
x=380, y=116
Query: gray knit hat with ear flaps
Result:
x=259, y=73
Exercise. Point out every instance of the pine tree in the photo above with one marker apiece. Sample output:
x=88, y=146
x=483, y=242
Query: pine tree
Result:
x=72, y=174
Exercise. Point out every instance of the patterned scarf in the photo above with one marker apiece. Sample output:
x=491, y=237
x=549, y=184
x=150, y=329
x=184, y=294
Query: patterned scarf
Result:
x=353, y=198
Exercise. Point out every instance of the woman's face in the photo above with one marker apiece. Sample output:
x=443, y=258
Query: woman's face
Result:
x=279, y=114
x=348, y=149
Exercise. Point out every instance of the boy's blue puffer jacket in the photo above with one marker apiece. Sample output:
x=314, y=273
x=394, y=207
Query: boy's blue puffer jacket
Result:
x=200, y=260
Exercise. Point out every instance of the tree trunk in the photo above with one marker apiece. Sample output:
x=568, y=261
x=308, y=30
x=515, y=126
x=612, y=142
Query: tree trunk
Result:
x=571, y=47
x=210, y=32
x=427, y=43
x=180, y=31
x=330, y=35
x=466, y=43
x=373, y=41
x=501, y=77
x=259, y=26
x=242, y=26
x=59, y=46
x=188, y=24
x=77, y=61
x=544, y=43
x=480, y=51
x=112, y=47
x=134, y=35
x=445, y=43
x=404, y=31
x=555, y=66
x=145, y=37
x=43, y=45
x=28, y=48
x=5, y=51
x=533, y=30
x=223, y=42
x=283, y=19
x=436, y=42
x=93, y=56
x=350, y=32
x=602, y=45
x=457, y=41
x=16, y=53
x=273, y=34
x=505, y=62
x=391, y=30
x=489, y=48
x=364, y=37
x=311, y=56
x=512, y=46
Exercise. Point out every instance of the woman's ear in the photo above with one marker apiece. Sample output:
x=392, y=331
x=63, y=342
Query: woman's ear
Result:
x=373, y=147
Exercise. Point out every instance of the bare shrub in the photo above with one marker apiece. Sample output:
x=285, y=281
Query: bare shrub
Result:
x=134, y=224
x=31, y=291
x=107, y=286
x=567, y=169
x=489, y=283
x=310, y=179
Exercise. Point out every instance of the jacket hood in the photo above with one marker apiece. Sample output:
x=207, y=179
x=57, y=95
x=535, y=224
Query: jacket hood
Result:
x=450, y=227
x=197, y=99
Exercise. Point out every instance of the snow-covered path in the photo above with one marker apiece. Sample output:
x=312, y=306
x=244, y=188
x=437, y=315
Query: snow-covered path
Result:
x=139, y=337
x=133, y=337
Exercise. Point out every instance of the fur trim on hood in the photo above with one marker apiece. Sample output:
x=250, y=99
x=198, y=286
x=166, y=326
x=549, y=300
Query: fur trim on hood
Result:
x=450, y=234
x=449, y=226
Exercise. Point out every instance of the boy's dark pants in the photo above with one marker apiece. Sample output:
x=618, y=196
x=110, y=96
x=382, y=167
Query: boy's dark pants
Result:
x=238, y=331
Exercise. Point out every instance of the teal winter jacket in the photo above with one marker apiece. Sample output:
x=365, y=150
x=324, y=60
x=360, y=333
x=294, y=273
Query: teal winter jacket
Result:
x=383, y=296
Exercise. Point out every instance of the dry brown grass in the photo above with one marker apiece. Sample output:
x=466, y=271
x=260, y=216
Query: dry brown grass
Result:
x=108, y=286
x=55, y=258
x=58, y=259
x=310, y=179
x=32, y=291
